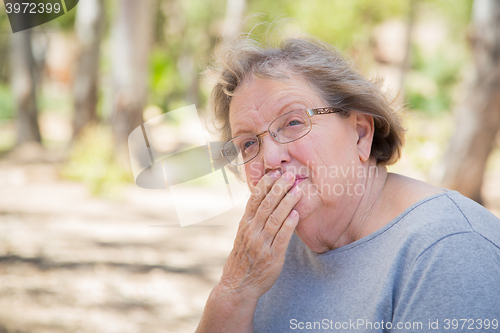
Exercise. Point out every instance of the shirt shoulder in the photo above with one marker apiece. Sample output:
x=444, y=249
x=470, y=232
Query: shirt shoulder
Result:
x=456, y=277
x=479, y=218
x=440, y=216
x=453, y=271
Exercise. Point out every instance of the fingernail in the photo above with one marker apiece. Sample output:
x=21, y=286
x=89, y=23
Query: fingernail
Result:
x=276, y=174
x=288, y=176
x=293, y=213
x=295, y=190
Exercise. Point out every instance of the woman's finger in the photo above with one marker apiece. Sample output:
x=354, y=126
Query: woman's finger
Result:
x=272, y=200
x=279, y=215
x=282, y=238
x=259, y=192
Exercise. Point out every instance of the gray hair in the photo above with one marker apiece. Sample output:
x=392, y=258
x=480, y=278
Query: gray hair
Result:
x=336, y=81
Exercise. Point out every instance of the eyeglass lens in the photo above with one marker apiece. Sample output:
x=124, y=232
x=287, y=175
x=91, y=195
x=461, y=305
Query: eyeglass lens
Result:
x=284, y=129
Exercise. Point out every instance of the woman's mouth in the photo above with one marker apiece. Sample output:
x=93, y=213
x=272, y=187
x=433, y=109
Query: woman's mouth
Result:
x=298, y=180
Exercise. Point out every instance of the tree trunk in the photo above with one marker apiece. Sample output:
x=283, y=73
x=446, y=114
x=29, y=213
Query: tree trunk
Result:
x=24, y=87
x=131, y=43
x=478, y=117
x=89, y=26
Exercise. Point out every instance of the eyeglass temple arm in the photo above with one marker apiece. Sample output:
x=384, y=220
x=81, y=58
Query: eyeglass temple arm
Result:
x=328, y=110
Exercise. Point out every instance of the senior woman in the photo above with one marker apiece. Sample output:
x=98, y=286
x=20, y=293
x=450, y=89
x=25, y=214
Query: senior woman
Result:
x=329, y=239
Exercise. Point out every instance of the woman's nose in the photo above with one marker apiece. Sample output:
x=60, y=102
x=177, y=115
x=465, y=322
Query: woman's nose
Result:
x=274, y=154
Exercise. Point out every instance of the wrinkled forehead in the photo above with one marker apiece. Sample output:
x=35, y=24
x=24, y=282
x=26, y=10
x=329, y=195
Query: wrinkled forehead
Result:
x=258, y=101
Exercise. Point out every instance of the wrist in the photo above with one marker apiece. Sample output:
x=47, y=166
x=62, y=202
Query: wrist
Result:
x=227, y=311
x=234, y=297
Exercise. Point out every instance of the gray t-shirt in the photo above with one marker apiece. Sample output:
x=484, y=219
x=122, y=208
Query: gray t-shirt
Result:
x=435, y=268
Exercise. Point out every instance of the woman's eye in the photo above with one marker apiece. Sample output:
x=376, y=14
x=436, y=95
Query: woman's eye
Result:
x=248, y=144
x=294, y=123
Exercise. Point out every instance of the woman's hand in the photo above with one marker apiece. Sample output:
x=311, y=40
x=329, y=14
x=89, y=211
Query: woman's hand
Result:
x=268, y=223
x=257, y=258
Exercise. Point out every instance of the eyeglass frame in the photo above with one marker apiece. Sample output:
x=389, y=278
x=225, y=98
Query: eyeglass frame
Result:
x=310, y=112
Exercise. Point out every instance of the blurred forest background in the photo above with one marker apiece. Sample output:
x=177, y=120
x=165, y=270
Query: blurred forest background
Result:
x=82, y=249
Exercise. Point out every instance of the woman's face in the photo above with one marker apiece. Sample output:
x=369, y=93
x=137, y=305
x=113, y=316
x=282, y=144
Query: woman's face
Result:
x=326, y=162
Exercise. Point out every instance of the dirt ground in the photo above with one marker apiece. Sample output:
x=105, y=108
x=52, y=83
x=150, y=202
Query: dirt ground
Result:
x=70, y=262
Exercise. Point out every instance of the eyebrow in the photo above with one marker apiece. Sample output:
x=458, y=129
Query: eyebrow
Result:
x=279, y=113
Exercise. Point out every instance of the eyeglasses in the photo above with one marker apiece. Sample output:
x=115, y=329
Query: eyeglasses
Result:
x=286, y=128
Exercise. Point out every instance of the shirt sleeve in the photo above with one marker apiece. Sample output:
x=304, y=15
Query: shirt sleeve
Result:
x=454, y=286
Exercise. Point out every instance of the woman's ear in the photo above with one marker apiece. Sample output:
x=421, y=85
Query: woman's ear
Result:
x=365, y=130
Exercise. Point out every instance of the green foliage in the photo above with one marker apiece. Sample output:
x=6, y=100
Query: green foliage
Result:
x=344, y=24
x=348, y=26
x=431, y=83
x=4, y=22
x=5, y=32
x=54, y=101
x=433, y=77
x=166, y=85
x=6, y=102
x=185, y=35
x=93, y=162
x=425, y=143
x=455, y=13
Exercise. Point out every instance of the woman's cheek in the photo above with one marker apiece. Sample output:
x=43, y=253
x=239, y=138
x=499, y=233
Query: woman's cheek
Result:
x=253, y=182
x=254, y=173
